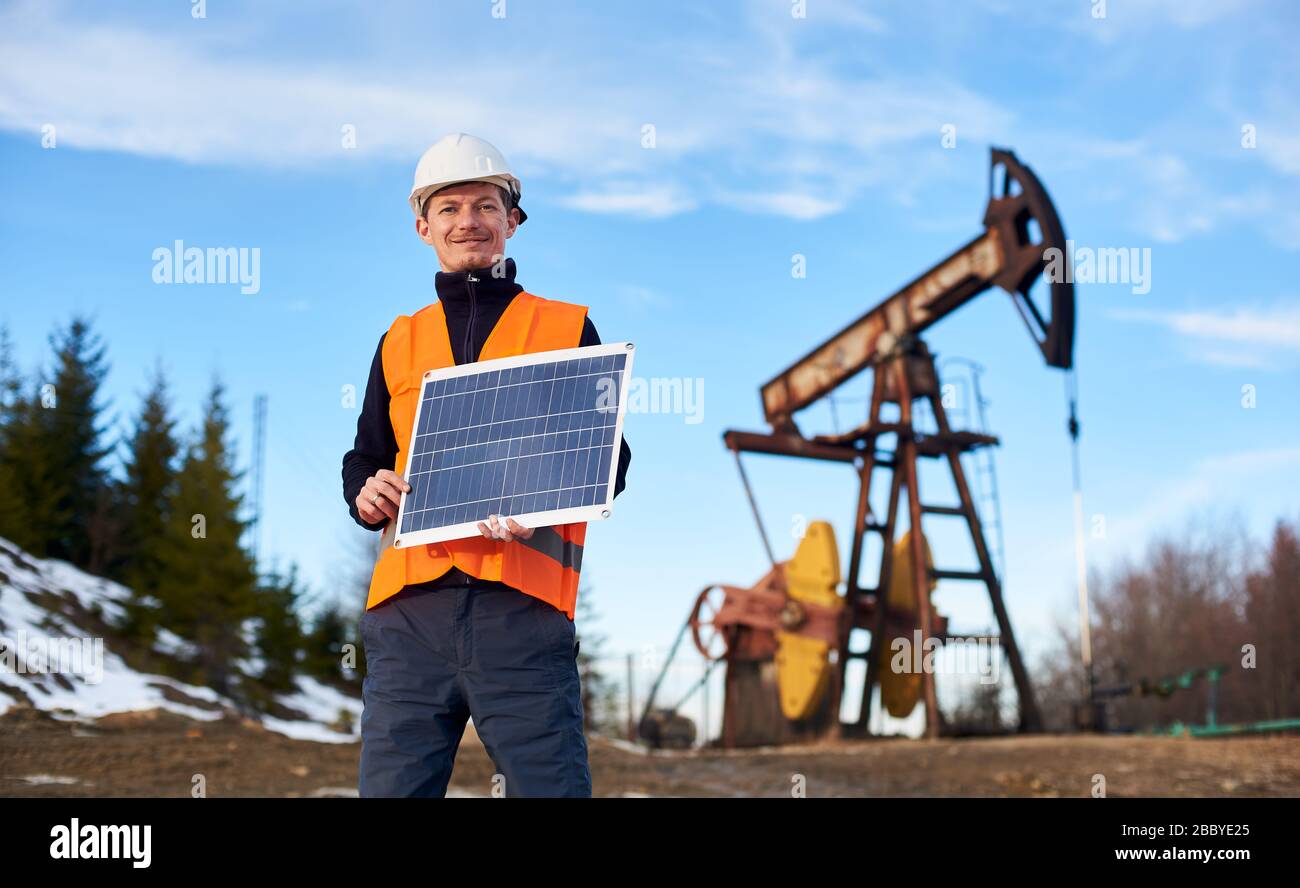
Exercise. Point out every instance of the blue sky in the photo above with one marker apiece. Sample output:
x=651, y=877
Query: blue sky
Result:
x=774, y=135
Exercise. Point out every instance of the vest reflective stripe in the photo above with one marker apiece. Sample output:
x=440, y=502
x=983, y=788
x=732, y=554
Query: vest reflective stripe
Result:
x=547, y=565
x=556, y=547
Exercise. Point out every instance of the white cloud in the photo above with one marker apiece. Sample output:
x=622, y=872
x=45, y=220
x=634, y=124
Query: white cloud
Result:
x=842, y=13
x=792, y=204
x=1124, y=19
x=1275, y=327
x=1279, y=145
x=800, y=135
x=654, y=202
x=1183, y=13
x=1217, y=481
x=1235, y=359
x=1171, y=203
x=796, y=128
x=119, y=89
x=1169, y=197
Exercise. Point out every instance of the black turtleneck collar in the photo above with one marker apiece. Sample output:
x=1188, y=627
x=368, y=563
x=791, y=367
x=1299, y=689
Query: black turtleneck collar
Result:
x=454, y=286
x=473, y=301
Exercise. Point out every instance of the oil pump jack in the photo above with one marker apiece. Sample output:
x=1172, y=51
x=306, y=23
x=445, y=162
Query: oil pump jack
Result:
x=785, y=640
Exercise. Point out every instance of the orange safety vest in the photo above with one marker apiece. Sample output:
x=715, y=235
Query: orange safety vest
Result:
x=545, y=566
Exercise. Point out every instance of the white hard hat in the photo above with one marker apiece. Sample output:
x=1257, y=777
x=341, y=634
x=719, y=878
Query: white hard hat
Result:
x=460, y=157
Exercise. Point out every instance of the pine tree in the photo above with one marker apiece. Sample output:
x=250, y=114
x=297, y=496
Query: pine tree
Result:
x=207, y=581
x=54, y=455
x=279, y=633
x=148, y=491
x=13, y=410
x=600, y=696
x=105, y=528
x=33, y=494
x=75, y=444
x=40, y=492
x=323, y=646
x=10, y=379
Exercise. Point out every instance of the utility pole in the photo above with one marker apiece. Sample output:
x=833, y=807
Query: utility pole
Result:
x=258, y=479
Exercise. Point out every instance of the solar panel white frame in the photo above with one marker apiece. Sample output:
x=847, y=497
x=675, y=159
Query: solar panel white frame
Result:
x=546, y=518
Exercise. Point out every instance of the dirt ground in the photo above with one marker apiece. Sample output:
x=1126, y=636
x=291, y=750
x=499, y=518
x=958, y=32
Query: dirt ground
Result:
x=158, y=754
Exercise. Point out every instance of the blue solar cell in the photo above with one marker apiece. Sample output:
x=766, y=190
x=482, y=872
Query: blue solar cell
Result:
x=513, y=441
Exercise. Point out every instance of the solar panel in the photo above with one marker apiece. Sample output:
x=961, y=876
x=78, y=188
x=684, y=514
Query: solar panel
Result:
x=533, y=437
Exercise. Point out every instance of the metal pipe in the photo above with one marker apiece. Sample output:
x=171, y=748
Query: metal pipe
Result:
x=753, y=507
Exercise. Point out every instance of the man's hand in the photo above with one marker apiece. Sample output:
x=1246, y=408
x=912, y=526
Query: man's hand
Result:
x=380, y=496
x=507, y=531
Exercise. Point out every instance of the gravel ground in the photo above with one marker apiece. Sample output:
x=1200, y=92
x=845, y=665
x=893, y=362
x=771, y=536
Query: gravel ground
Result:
x=159, y=754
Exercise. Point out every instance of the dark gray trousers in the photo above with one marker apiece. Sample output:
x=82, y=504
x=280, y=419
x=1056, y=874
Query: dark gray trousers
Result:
x=437, y=656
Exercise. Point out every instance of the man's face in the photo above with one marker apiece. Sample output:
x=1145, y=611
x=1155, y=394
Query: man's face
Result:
x=467, y=225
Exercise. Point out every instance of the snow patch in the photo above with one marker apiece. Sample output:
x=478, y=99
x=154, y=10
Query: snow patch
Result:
x=118, y=688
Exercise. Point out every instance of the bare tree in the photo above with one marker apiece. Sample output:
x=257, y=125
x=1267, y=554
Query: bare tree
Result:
x=1188, y=604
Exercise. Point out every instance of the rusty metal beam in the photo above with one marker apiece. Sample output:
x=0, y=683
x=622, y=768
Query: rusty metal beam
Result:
x=1022, y=233
x=788, y=445
x=965, y=274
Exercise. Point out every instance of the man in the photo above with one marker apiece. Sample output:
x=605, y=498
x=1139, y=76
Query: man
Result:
x=479, y=627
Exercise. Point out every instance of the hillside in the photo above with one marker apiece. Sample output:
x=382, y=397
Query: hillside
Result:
x=69, y=736
x=46, y=603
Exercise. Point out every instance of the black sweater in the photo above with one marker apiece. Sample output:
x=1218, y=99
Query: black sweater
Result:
x=470, y=318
